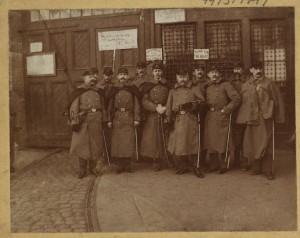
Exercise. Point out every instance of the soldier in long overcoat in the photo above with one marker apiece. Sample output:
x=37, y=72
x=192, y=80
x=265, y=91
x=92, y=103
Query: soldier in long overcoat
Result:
x=86, y=115
x=105, y=83
x=262, y=106
x=154, y=99
x=141, y=75
x=123, y=117
x=199, y=80
x=237, y=79
x=182, y=110
x=222, y=99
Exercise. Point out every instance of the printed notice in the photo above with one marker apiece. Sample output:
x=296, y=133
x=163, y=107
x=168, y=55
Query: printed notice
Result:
x=116, y=40
x=201, y=54
x=154, y=54
x=36, y=47
x=169, y=15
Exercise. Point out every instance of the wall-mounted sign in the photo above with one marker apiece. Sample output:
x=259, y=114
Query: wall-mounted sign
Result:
x=201, y=54
x=36, y=47
x=115, y=40
x=41, y=64
x=154, y=54
x=169, y=15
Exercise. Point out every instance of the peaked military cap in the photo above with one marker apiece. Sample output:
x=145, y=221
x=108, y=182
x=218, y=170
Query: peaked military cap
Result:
x=257, y=65
x=181, y=71
x=107, y=71
x=123, y=70
x=88, y=72
x=141, y=64
x=199, y=66
x=157, y=66
x=95, y=70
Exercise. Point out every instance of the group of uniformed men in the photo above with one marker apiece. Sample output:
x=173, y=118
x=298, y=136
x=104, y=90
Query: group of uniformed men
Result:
x=192, y=126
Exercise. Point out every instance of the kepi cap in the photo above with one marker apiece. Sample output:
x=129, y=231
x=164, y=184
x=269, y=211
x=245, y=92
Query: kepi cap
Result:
x=123, y=70
x=107, y=71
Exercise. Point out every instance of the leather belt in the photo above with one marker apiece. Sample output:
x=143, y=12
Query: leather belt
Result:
x=93, y=110
x=122, y=109
x=213, y=109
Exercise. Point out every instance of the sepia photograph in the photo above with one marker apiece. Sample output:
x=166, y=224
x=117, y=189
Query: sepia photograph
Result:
x=141, y=120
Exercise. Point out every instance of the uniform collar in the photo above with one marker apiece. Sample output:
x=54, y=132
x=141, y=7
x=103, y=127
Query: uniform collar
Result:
x=154, y=81
x=120, y=85
x=187, y=85
x=195, y=80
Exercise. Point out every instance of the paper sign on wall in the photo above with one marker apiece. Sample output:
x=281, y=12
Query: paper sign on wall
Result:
x=41, y=64
x=154, y=54
x=169, y=15
x=36, y=47
x=201, y=54
x=111, y=40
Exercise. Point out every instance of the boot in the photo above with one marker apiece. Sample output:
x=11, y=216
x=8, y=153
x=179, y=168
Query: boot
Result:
x=120, y=168
x=222, y=163
x=213, y=163
x=267, y=165
x=257, y=167
x=82, y=165
x=184, y=165
x=197, y=170
x=92, y=165
x=156, y=165
x=128, y=167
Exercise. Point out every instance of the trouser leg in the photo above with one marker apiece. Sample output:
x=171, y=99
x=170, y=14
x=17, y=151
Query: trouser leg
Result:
x=120, y=163
x=83, y=166
x=157, y=164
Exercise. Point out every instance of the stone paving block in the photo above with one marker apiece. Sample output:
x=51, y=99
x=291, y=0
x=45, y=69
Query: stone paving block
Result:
x=49, y=195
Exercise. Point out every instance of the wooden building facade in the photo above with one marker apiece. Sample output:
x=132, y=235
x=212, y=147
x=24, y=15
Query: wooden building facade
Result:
x=232, y=35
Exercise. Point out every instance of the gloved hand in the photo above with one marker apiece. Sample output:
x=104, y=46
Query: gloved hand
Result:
x=109, y=124
x=189, y=106
x=136, y=124
x=76, y=127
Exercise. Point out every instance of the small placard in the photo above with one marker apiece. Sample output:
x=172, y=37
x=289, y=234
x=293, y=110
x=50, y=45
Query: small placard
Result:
x=36, y=47
x=41, y=64
x=169, y=15
x=201, y=54
x=116, y=40
x=154, y=54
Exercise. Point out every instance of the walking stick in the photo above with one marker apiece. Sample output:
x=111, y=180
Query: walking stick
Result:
x=164, y=140
x=273, y=137
x=136, y=145
x=105, y=145
x=199, y=141
x=227, y=156
x=113, y=61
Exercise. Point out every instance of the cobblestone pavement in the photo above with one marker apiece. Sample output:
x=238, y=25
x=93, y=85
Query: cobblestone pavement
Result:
x=49, y=198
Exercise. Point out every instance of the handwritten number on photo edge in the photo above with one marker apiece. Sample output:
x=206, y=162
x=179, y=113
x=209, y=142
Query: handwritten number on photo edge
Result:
x=265, y=3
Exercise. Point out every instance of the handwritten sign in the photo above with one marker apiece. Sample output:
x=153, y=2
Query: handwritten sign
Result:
x=169, y=15
x=201, y=54
x=154, y=54
x=36, y=47
x=110, y=40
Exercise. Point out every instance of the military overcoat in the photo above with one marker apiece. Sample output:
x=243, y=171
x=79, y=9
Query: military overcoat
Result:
x=219, y=95
x=184, y=138
x=123, y=110
x=154, y=93
x=89, y=107
x=262, y=104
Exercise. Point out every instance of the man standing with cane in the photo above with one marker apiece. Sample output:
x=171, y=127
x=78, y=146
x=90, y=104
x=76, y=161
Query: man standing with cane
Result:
x=155, y=95
x=222, y=100
x=262, y=105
